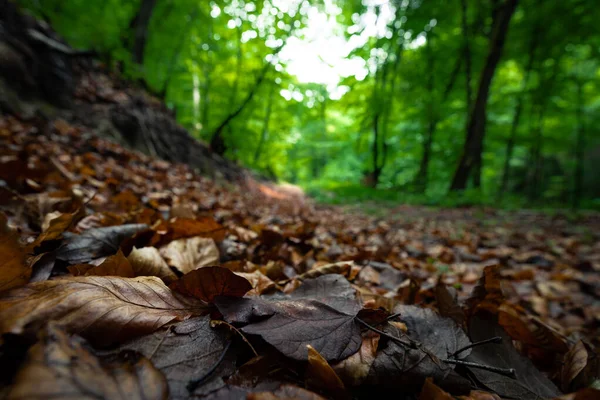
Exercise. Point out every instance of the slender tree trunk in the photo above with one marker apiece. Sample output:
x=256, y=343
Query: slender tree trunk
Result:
x=579, y=149
x=518, y=111
x=422, y=175
x=265, y=130
x=473, y=147
x=139, y=24
x=466, y=55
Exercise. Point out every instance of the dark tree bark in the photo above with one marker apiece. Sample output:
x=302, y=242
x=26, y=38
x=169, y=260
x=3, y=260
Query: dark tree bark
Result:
x=510, y=144
x=473, y=147
x=266, y=121
x=579, y=149
x=139, y=25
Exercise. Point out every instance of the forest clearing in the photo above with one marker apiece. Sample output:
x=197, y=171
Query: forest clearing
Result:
x=185, y=226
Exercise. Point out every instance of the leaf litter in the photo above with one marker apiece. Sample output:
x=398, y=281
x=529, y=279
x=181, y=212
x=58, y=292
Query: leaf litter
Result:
x=133, y=277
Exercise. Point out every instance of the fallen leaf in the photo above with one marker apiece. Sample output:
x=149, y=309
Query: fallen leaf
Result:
x=185, y=352
x=13, y=271
x=260, y=283
x=208, y=282
x=116, y=265
x=321, y=376
x=59, y=366
x=321, y=313
x=189, y=254
x=354, y=369
x=57, y=226
x=147, y=261
x=431, y=391
x=286, y=392
x=95, y=243
x=104, y=310
x=448, y=305
x=530, y=383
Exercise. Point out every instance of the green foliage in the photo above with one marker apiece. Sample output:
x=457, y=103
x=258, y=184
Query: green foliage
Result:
x=206, y=57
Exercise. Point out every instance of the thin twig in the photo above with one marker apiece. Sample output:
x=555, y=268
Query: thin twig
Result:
x=510, y=372
x=192, y=385
x=220, y=322
x=410, y=344
x=495, y=339
x=393, y=316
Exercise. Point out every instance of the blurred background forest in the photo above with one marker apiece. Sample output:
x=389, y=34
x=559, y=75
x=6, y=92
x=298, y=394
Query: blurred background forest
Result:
x=430, y=101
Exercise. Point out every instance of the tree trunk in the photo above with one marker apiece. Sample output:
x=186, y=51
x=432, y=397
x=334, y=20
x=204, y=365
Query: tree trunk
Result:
x=518, y=111
x=139, y=24
x=473, y=147
x=265, y=130
x=579, y=149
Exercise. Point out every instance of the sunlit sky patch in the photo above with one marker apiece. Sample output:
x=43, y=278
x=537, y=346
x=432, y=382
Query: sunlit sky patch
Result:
x=319, y=54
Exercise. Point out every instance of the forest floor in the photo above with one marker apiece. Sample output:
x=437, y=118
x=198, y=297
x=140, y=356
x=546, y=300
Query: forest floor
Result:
x=115, y=247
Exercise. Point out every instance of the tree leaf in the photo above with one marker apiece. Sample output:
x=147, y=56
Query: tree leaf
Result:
x=13, y=271
x=104, y=310
x=319, y=313
x=115, y=265
x=95, y=243
x=185, y=352
x=320, y=376
x=147, y=261
x=59, y=366
x=442, y=336
x=431, y=391
x=208, y=282
x=354, y=369
x=530, y=383
x=189, y=254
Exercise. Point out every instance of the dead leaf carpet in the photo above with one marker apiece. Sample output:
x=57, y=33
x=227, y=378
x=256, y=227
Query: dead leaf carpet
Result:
x=126, y=277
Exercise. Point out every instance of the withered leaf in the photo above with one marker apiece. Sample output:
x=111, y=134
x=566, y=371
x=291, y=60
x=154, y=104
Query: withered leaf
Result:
x=448, y=305
x=320, y=376
x=95, y=243
x=354, y=369
x=189, y=254
x=59, y=366
x=399, y=367
x=208, y=282
x=185, y=352
x=13, y=271
x=147, y=261
x=56, y=228
x=104, y=310
x=431, y=391
x=115, y=265
x=442, y=336
x=321, y=313
x=530, y=383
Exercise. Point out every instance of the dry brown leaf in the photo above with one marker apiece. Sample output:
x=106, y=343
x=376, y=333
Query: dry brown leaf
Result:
x=354, y=369
x=285, y=392
x=56, y=227
x=431, y=391
x=208, y=282
x=59, y=366
x=116, y=265
x=260, y=283
x=321, y=376
x=480, y=395
x=104, y=310
x=147, y=261
x=448, y=305
x=189, y=254
x=13, y=271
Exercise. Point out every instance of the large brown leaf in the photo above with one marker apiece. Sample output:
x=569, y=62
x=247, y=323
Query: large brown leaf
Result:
x=13, y=271
x=104, y=310
x=62, y=367
x=189, y=254
x=208, y=282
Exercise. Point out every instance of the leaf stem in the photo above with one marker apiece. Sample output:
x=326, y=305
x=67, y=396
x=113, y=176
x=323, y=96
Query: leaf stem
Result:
x=495, y=339
x=410, y=344
x=510, y=372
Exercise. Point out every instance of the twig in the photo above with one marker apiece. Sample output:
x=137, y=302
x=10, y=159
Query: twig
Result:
x=495, y=339
x=192, y=385
x=410, y=344
x=510, y=372
x=220, y=322
x=393, y=316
